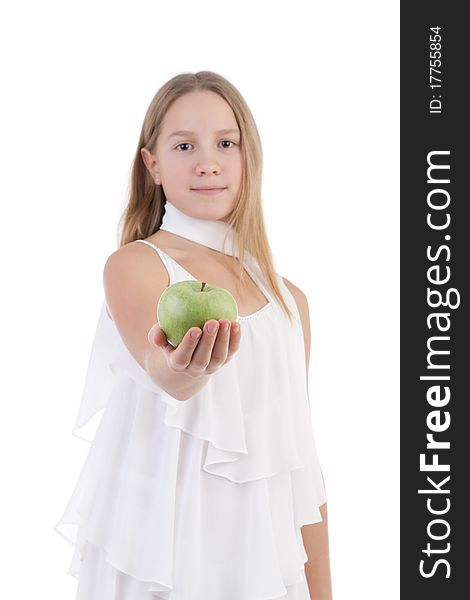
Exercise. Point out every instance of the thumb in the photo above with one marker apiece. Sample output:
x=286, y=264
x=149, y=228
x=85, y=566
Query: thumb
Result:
x=155, y=334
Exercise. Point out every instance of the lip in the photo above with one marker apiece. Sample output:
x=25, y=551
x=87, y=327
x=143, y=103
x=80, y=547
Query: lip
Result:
x=209, y=187
x=208, y=190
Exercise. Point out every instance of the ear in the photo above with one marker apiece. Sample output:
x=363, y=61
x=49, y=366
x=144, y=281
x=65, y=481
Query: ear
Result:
x=151, y=163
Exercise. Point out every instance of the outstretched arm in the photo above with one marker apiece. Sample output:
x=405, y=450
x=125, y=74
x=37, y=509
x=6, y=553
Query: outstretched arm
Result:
x=315, y=535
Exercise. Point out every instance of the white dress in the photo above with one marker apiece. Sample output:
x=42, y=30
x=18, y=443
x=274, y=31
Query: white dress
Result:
x=200, y=499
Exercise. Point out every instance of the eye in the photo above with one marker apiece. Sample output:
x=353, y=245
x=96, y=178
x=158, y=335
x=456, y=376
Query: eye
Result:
x=222, y=142
x=229, y=141
x=183, y=144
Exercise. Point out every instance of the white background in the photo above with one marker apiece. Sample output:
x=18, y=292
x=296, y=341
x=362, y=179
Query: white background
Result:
x=321, y=79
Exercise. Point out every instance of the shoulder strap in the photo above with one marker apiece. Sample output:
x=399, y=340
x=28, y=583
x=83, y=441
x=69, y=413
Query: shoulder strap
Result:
x=156, y=248
x=162, y=255
x=149, y=244
x=177, y=271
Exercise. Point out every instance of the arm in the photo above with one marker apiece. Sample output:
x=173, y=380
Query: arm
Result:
x=134, y=279
x=315, y=535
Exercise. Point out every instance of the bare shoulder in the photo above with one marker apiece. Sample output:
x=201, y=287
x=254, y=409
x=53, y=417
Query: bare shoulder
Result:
x=133, y=262
x=132, y=249
x=302, y=304
x=299, y=296
x=134, y=278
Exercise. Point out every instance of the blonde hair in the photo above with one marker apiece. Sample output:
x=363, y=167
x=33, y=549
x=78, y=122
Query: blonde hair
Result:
x=145, y=206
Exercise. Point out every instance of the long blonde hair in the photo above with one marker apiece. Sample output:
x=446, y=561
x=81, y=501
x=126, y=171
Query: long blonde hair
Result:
x=145, y=207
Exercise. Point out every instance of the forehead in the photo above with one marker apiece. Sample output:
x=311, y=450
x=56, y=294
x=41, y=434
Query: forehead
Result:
x=199, y=111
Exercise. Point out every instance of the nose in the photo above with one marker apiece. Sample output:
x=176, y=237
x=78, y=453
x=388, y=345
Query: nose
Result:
x=207, y=165
x=204, y=169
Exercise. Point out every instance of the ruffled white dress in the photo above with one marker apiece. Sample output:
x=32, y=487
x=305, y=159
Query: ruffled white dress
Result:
x=200, y=499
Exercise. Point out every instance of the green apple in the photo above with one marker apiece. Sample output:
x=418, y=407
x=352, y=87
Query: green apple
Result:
x=191, y=303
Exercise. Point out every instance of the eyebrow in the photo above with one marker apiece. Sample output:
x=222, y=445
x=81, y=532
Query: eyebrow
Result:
x=185, y=132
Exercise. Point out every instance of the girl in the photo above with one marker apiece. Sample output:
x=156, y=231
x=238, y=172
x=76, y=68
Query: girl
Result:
x=202, y=481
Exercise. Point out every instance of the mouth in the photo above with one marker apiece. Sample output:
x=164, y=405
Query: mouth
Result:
x=208, y=187
x=208, y=191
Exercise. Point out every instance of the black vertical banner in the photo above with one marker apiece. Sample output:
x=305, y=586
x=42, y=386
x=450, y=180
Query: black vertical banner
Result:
x=435, y=300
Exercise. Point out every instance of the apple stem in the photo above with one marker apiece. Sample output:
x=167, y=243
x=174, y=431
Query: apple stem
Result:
x=202, y=286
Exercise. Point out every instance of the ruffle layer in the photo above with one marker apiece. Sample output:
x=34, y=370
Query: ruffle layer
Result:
x=184, y=500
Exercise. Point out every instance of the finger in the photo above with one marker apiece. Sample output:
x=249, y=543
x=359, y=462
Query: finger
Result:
x=202, y=353
x=235, y=337
x=180, y=357
x=157, y=336
x=220, y=349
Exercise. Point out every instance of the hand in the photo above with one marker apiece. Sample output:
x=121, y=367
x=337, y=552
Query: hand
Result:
x=202, y=356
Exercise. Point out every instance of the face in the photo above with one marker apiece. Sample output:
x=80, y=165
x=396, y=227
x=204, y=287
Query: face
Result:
x=206, y=153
